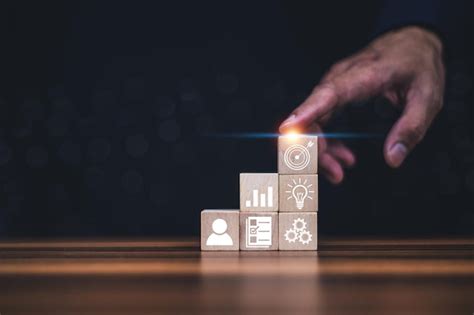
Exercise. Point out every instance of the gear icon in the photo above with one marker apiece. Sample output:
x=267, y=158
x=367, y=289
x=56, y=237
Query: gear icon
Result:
x=299, y=225
x=291, y=235
x=305, y=237
x=298, y=232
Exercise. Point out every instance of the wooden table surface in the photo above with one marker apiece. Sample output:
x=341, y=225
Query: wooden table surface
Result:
x=346, y=276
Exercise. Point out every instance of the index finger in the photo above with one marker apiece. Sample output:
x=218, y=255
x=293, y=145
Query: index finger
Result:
x=356, y=84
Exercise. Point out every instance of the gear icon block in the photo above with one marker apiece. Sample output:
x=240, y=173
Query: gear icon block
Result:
x=298, y=233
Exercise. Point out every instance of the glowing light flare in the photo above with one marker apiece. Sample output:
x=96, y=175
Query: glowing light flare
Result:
x=268, y=135
x=292, y=134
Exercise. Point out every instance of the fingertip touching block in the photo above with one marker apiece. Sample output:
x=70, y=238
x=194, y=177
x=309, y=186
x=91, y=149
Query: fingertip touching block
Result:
x=297, y=154
x=259, y=192
x=220, y=230
x=298, y=231
x=298, y=193
x=258, y=230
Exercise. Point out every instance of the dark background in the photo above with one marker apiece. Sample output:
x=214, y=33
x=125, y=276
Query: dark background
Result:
x=112, y=115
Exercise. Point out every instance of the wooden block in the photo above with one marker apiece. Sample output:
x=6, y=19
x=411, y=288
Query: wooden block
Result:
x=298, y=231
x=258, y=192
x=258, y=230
x=298, y=193
x=297, y=154
x=220, y=230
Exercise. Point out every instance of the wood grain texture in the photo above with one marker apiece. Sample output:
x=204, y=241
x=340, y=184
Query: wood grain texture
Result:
x=298, y=231
x=345, y=276
x=291, y=185
x=246, y=236
x=220, y=240
x=255, y=189
x=291, y=157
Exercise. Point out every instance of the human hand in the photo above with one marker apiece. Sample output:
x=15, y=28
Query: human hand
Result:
x=405, y=66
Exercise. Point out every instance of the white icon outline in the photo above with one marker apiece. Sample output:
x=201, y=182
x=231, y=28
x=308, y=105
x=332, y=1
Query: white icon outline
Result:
x=305, y=237
x=300, y=191
x=219, y=235
x=298, y=232
x=297, y=156
x=258, y=232
x=291, y=236
x=260, y=200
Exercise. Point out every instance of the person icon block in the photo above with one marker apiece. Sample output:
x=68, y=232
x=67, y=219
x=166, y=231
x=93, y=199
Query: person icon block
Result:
x=220, y=230
x=219, y=237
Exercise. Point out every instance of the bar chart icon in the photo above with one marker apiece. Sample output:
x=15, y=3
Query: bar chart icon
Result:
x=261, y=200
x=259, y=192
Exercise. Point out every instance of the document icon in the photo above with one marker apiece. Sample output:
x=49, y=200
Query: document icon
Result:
x=258, y=232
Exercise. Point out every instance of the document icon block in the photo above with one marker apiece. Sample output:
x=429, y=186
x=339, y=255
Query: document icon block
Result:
x=259, y=231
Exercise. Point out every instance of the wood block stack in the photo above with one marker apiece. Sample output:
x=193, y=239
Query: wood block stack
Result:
x=278, y=211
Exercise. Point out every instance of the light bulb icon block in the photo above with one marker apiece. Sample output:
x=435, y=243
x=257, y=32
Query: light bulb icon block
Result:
x=298, y=231
x=297, y=154
x=298, y=193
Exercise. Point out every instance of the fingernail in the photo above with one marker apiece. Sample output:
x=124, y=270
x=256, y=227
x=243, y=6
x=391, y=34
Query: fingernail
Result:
x=397, y=153
x=289, y=120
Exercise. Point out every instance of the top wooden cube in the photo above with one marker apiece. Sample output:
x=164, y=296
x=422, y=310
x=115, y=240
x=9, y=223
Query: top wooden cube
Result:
x=297, y=154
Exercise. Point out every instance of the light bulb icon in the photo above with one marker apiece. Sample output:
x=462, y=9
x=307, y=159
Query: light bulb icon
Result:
x=299, y=191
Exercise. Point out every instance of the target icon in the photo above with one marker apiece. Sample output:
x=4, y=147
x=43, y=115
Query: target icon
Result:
x=297, y=156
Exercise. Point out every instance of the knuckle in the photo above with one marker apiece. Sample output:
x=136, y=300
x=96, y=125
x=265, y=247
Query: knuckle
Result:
x=326, y=87
x=414, y=133
x=432, y=98
x=328, y=91
x=337, y=67
x=437, y=101
x=368, y=75
x=366, y=79
x=438, y=106
x=428, y=92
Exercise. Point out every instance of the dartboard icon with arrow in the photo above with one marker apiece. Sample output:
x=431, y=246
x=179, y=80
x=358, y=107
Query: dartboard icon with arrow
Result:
x=297, y=156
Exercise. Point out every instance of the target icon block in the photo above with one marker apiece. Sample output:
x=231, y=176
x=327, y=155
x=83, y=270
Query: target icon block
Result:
x=298, y=154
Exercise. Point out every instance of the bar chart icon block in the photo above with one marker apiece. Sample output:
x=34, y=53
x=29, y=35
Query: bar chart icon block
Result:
x=259, y=192
x=258, y=230
x=298, y=154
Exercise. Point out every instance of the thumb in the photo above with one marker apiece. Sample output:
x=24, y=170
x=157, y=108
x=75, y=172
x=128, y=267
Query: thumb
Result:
x=410, y=128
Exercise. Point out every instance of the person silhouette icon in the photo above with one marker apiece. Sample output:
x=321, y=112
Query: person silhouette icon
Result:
x=219, y=237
